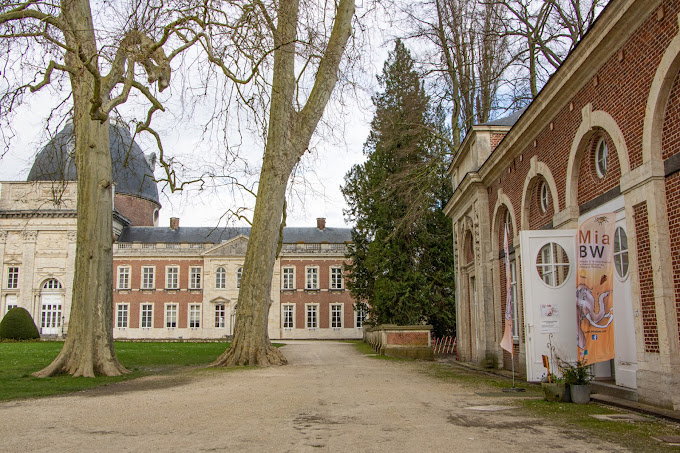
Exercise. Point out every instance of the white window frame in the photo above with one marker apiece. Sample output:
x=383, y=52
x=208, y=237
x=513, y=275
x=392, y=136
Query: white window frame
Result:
x=601, y=158
x=11, y=301
x=310, y=271
x=285, y=284
x=359, y=318
x=220, y=321
x=195, y=277
x=288, y=309
x=123, y=277
x=239, y=276
x=144, y=284
x=544, y=196
x=124, y=321
x=339, y=274
x=172, y=271
x=142, y=312
x=338, y=309
x=194, y=316
x=619, y=253
x=175, y=314
x=12, y=277
x=220, y=277
x=312, y=309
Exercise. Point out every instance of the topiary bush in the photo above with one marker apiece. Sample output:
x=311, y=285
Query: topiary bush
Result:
x=18, y=325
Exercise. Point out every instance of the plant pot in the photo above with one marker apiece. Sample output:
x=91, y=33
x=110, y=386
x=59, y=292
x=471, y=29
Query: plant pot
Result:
x=554, y=391
x=580, y=394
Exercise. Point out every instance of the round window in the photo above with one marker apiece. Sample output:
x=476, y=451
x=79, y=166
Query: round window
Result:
x=621, y=253
x=552, y=264
x=544, y=192
x=601, y=157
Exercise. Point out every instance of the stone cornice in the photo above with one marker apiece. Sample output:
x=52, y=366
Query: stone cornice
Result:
x=42, y=213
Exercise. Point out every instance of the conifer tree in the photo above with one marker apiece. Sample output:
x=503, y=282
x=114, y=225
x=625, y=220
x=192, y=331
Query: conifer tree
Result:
x=401, y=258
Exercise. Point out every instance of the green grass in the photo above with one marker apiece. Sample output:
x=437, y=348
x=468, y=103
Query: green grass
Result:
x=574, y=418
x=19, y=360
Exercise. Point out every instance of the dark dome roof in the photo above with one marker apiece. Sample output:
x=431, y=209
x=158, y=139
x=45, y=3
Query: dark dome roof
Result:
x=131, y=171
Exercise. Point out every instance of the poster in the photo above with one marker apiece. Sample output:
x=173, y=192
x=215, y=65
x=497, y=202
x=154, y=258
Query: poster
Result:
x=594, y=289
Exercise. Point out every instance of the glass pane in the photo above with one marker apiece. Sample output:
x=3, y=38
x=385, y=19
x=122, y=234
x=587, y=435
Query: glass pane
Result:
x=552, y=264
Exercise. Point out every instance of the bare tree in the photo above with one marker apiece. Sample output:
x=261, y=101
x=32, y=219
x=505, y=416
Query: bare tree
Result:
x=293, y=52
x=68, y=43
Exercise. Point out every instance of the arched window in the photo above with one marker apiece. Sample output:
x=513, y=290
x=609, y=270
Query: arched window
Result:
x=220, y=278
x=52, y=283
x=621, y=253
x=601, y=158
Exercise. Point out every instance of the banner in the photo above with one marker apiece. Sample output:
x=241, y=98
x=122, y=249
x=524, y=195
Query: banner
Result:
x=506, y=342
x=594, y=289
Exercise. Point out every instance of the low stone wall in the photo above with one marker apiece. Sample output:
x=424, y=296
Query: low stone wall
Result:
x=414, y=342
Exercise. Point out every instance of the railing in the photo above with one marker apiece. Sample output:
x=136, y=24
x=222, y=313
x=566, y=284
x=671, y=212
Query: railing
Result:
x=444, y=346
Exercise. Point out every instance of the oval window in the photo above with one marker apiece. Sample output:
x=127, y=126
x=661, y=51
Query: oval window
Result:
x=544, y=196
x=552, y=264
x=601, y=157
x=621, y=253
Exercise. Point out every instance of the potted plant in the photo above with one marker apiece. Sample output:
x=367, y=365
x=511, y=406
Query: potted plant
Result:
x=555, y=389
x=578, y=377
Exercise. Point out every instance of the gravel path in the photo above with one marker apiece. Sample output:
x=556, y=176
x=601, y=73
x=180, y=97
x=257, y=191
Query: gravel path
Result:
x=329, y=398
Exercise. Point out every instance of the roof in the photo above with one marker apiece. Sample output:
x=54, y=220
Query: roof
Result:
x=132, y=173
x=509, y=120
x=202, y=235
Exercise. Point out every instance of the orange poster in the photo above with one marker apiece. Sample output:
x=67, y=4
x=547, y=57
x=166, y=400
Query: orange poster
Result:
x=594, y=289
x=506, y=341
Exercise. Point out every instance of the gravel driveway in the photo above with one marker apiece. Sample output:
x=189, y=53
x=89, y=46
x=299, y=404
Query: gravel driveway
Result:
x=329, y=398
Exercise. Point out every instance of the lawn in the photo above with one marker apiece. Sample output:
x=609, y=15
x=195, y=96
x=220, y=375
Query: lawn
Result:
x=19, y=360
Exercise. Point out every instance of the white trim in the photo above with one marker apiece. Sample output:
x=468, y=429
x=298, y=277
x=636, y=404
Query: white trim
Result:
x=126, y=310
x=307, y=312
x=307, y=274
x=165, y=315
x=167, y=276
x=129, y=276
x=192, y=283
x=153, y=278
x=342, y=315
x=283, y=316
x=141, y=315
x=283, y=278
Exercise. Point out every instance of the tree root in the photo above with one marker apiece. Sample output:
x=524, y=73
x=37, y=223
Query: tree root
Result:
x=239, y=355
x=82, y=365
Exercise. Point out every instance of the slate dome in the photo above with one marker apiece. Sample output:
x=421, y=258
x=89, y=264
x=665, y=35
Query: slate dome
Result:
x=132, y=173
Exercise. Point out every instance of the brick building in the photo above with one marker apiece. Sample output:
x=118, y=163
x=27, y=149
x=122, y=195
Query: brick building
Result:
x=169, y=283
x=602, y=136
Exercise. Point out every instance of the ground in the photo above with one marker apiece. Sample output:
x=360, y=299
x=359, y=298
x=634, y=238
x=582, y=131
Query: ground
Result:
x=328, y=398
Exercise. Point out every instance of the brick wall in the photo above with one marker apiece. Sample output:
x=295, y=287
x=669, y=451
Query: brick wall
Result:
x=537, y=217
x=138, y=210
x=673, y=206
x=408, y=338
x=644, y=258
x=671, y=123
x=590, y=184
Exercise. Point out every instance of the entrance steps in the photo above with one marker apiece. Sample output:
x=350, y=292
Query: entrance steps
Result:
x=608, y=388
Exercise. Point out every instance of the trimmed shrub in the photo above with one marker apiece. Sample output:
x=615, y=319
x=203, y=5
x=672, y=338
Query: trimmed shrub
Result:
x=18, y=325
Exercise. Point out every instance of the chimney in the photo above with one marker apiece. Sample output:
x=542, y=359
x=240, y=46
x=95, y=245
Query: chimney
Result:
x=321, y=223
x=174, y=223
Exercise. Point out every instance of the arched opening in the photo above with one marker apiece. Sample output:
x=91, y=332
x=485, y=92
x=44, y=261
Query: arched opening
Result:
x=51, y=304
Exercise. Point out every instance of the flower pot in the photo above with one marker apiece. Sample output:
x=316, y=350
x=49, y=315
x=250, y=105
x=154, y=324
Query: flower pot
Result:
x=554, y=391
x=580, y=394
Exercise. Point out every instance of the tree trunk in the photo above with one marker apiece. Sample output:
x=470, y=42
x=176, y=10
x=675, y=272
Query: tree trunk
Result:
x=288, y=137
x=88, y=349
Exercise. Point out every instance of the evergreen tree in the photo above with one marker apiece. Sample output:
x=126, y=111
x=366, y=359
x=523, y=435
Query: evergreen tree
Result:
x=402, y=253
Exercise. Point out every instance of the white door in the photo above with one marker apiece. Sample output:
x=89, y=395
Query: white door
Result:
x=624, y=366
x=50, y=317
x=548, y=281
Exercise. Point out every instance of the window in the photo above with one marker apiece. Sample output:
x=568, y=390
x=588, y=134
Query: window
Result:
x=123, y=277
x=601, y=158
x=336, y=278
x=171, y=316
x=312, y=316
x=288, y=316
x=10, y=302
x=220, y=278
x=148, y=277
x=52, y=283
x=312, y=278
x=336, y=316
x=219, y=315
x=122, y=316
x=195, y=278
x=147, y=316
x=195, y=316
x=621, y=253
x=552, y=264
x=359, y=317
x=12, y=277
x=288, y=278
x=545, y=197
x=239, y=274
x=513, y=292
x=172, y=277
